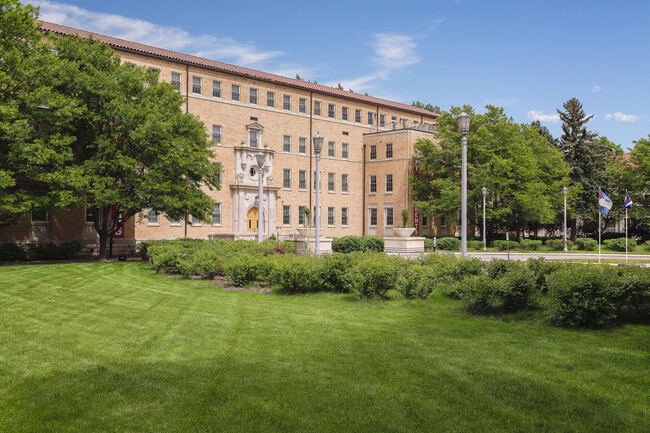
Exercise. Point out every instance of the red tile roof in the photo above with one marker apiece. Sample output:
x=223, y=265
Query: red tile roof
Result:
x=121, y=44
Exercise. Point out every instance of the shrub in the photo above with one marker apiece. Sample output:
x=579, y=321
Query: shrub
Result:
x=373, y=243
x=12, y=253
x=204, y=263
x=373, y=276
x=541, y=269
x=557, y=244
x=619, y=244
x=240, y=270
x=503, y=245
x=449, y=244
x=416, y=281
x=428, y=244
x=477, y=291
x=475, y=245
x=496, y=268
x=586, y=244
x=333, y=275
x=295, y=274
x=515, y=288
x=348, y=244
x=530, y=245
x=635, y=293
x=464, y=267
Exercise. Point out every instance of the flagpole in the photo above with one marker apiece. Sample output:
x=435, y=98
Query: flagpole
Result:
x=599, y=235
x=625, y=228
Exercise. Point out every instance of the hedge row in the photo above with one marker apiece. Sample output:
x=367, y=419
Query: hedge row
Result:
x=11, y=252
x=348, y=244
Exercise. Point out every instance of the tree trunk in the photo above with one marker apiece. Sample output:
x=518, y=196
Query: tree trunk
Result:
x=102, y=245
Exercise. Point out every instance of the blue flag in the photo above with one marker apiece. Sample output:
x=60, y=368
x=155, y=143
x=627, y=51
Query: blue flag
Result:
x=628, y=200
x=604, y=202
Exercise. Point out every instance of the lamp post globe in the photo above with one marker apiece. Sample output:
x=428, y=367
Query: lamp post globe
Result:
x=260, y=157
x=318, y=146
x=463, y=126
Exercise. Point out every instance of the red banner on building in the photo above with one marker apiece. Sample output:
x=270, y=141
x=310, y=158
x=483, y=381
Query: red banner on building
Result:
x=116, y=221
x=416, y=211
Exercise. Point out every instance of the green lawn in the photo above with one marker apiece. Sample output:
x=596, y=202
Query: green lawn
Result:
x=112, y=347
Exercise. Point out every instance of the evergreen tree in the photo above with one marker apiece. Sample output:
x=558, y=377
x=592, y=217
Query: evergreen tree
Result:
x=430, y=107
x=339, y=86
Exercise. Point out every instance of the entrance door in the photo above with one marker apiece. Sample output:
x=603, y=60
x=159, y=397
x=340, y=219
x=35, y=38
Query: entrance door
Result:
x=251, y=220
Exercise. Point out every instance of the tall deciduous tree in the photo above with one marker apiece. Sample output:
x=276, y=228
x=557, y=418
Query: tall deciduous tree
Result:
x=132, y=146
x=639, y=186
x=521, y=170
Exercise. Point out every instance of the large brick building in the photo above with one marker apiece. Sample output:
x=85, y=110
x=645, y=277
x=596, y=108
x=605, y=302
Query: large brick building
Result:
x=365, y=164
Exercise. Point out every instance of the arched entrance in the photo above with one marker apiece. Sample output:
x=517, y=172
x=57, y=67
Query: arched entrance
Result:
x=251, y=220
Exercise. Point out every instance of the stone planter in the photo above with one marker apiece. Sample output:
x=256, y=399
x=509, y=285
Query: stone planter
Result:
x=307, y=232
x=403, y=232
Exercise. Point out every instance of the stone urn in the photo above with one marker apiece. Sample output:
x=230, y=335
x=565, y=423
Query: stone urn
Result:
x=307, y=232
x=403, y=232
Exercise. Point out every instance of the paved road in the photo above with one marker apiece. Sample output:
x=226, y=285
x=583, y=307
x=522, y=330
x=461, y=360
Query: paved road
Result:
x=564, y=256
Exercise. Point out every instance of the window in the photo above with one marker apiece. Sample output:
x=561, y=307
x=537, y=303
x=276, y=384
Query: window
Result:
x=389, y=150
x=253, y=96
x=216, y=134
x=174, y=222
x=216, y=89
x=235, y=92
x=330, y=216
x=344, y=113
x=302, y=145
x=370, y=117
x=389, y=183
x=40, y=216
x=405, y=123
x=302, y=105
x=176, y=80
x=382, y=120
x=287, y=102
x=196, y=85
x=331, y=186
x=389, y=216
x=152, y=217
x=270, y=99
x=252, y=134
x=425, y=220
x=344, y=182
x=331, y=111
x=373, y=183
x=373, y=152
x=373, y=217
x=286, y=144
x=286, y=215
x=344, y=150
x=316, y=108
x=302, y=180
x=216, y=214
x=344, y=216
x=90, y=217
x=443, y=220
x=286, y=179
x=195, y=221
x=218, y=164
x=331, y=149
x=394, y=122
x=301, y=215
x=357, y=116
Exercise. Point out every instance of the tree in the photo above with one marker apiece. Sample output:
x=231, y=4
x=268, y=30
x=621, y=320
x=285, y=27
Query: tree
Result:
x=33, y=154
x=638, y=170
x=339, y=87
x=587, y=158
x=522, y=172
x=132, y=147
x=433, y=108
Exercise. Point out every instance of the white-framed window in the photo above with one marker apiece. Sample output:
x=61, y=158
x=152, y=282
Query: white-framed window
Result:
x=370, y=117
x=286, y=178
x=270, y=99
x=331, y=149
x=152, y=217
x=286, y=215
x=357, y=116
x=389, y=183
x=316, y=108
x=195, y=222
x=344, y=182
x=235, y=92
x=330, y=216
x=344, y=150
x=253, y=96
x=331, y=111
x=301, y=215
x=216, y=134
x=389, y=150
x=196, y=85
x=344, y=113
x=372, y=218
x=253, y=137
x=302, y=180
x=176, y=80
x=90, y=216
x=302, y=145
x=388, y=212
x=382, y=120
x=218, y=164
x=286, y=102
x=302, y=105
x=216, y=89
x=331, y=184
x=373, y=183
x=286, y=143
x=216, y=214
x=173, y=222
x=393, y=121
x=344, y=216
x=373, y=152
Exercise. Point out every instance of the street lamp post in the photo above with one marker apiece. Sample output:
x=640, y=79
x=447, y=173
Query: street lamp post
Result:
x=565, y=190
x=318, y=145
x=484, y=191
x=260, y=171
x=463, y=126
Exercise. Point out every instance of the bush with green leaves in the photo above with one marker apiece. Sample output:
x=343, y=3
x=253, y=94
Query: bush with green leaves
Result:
x=530, y=245
x=557, y=244
x=541, y=269
x=240, y=269
x=205, y=263
x=416, y=281
x=475, y=245
x=293, y=274
x=448, y=244
x=496, y=268
x=514, y=289
x=586, y=244
x=634, y=289
x=11, y=252
x=333, y=271
x=348, y=244
x=504, y=245
x=373, y=276
x=478, y=293
x=619, y=244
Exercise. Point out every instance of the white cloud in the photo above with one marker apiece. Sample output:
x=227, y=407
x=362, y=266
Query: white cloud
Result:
x=173, y=38
x=539, y=115
x=596, y=88
x=394, y=50
x=621, y=117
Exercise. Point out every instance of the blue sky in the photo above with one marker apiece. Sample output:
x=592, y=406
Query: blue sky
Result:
x=527, y=56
